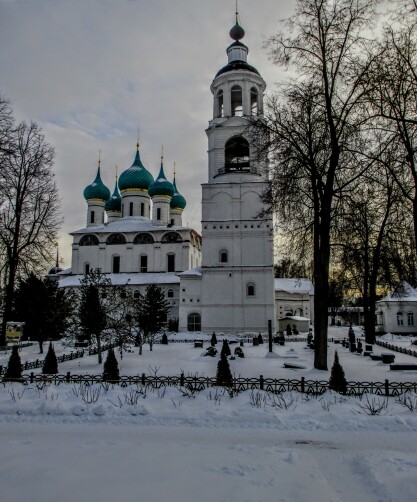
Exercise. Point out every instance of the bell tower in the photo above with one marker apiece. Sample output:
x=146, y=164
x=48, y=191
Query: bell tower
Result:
x=237, y=265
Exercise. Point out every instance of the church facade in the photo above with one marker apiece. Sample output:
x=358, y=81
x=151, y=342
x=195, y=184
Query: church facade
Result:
x=222, y=280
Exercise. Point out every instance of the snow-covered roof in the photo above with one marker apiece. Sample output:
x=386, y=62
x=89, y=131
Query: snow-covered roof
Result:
x=128, y=224
x=294, y=318
x=402, y=293
x=197, y=271
x=301, y=286
x=131, y=279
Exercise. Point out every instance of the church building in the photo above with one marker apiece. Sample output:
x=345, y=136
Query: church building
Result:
x=220, y=281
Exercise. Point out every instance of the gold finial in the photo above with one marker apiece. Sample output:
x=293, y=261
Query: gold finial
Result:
x=137, y=142
x=237, y=12
x=174, y=170
x=117, y=169
x=162, y=153
x=99, y=158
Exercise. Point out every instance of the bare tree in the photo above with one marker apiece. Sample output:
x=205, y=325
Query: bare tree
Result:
x=317, y=131
x=394, y=98
x=29, y=211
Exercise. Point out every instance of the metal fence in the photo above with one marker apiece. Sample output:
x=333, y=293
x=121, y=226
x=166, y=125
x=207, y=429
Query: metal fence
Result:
x=395, y=348
x=195, y=383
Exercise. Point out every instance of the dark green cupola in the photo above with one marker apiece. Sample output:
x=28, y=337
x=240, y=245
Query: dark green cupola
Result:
x=136, y=177
x=97, y=190
x=161, y=186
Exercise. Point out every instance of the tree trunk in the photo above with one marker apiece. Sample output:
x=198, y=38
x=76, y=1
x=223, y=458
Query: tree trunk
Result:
x=100, y=356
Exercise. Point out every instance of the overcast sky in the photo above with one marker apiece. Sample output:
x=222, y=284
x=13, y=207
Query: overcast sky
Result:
x=91, y=72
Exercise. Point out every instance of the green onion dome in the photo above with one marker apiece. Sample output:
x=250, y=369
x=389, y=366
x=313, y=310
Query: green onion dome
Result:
x=97, y=189
x=114, y=203
x=161, y=186
x=177, y=201
x=136, y=177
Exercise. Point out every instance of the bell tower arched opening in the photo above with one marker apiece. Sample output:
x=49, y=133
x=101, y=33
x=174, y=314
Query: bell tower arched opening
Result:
x=236, y=155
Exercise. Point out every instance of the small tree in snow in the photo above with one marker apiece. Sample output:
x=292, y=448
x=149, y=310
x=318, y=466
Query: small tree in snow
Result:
x=14, y=368
x=337, y=380
x=225, y=349
x=111, y=367
x=50, y=365
x=213, y=340
x=224, y=375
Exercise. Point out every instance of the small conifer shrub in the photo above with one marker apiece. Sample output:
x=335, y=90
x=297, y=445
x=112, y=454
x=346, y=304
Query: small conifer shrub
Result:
x=164, y=339
x=260, y=339
x=224, y=375
x=50, y=364
x=337, y=380
x=213, y=340
x=225, y=349
x=14, y=367
x=111, y=367
x=288, y=330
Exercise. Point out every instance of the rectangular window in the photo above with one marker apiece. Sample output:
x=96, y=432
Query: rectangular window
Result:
x=171, y=263
x=116, y=265
x=158, y=213
x=130, y=208
x=143, y=263
x=410, y=319
x=92, y=217
x=142, y=209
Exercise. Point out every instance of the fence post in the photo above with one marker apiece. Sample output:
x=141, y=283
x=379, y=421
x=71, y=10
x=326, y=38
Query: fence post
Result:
x=302, y=384
x=386, y=387
x=182, y=380
x=32, y=376
x=68, y=377
x=261, y=382
x=143, y=379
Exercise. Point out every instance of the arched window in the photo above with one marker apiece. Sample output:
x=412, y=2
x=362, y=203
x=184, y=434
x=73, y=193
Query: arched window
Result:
x=158, y=213
x=86, y=268
x=136, y=294
x=223, y=258
x=143, y=238
x=410, y=319
x=219, y=104
x=170, y=293
x=92, y=217
x=88, y=240
x=115, y=265
x=116, y=239
x=170, y=262
x=236, y=100
x=236, y=154
x=400, y=319
x=254, y=107
x=171, y=237
x=130, y=208
x=250, y=289
x=194, y=322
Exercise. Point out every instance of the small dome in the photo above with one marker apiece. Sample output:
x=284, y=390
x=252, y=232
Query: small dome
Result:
x=114, y=203
x=237, y=65
x=237, y=32
x=177, y=201
x=97, y=189
x=161, y=186
x=136, y=177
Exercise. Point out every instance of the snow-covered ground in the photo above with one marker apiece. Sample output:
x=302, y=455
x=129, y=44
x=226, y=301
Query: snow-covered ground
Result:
x=71, y=443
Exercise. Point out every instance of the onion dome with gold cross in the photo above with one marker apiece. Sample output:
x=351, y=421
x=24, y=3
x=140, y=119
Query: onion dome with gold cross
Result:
x=97, y=190
x=161, y=186
x=136, y=177
x=177, y=201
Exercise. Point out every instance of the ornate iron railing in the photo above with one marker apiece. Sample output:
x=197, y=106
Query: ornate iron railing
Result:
x=196, y=383
x=395, y=348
